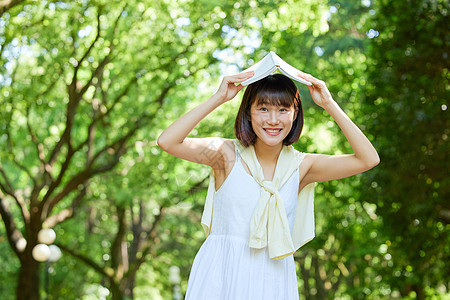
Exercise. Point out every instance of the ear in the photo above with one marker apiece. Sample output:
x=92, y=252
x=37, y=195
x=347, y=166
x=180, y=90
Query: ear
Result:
x=295, y=113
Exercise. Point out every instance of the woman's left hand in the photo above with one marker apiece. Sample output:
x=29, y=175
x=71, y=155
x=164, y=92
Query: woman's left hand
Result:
x=319, y=91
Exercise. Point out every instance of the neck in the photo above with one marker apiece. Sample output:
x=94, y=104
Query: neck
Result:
x=267, y=153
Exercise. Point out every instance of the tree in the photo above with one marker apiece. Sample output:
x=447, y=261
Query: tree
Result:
x=87, y=86
x=406, y=107
x=135, y=209
x=78, y=84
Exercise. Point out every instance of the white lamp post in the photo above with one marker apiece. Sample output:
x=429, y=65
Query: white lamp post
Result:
x=45, y=252
x=175, y=279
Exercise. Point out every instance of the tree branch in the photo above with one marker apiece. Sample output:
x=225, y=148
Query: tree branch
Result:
x=91, y=134
x=66, y=137
x=9, y=190
x=71, y=151
x=57, y=182
x=67, y=213
x=74, y=100
x=118, y=145
x=86, y=53
x=45, y=168
x=11, y=145
x=124, y=92
x=12, y=233
x=80, y=178
x=136, y=228
x=87, y=261
x=134, y=267
x=75, y=97
x=116, y=253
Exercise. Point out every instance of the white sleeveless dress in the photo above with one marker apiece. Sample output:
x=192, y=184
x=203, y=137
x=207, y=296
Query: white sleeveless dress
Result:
x=226, y=268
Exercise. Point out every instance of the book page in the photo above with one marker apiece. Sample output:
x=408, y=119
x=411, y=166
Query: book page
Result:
x=289, y=70
x=262, y=69
x=268, y=65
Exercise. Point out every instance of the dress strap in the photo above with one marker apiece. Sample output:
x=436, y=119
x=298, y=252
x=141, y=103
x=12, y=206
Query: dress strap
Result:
x=238, y=157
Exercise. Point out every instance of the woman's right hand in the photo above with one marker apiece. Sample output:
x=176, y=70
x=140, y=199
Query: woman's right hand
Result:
x=228, y=88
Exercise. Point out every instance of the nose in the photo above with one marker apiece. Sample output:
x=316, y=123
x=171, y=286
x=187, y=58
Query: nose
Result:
x=273, y=117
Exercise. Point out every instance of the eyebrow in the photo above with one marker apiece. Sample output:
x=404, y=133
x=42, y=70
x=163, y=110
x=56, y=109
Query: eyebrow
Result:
x=277, y=105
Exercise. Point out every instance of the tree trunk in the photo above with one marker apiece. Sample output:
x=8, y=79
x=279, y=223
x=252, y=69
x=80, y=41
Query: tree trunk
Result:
x=321, y=293
x=305, y=277
x=114, y=288
x=420, y=293
x=28, y=281
x=129, y=286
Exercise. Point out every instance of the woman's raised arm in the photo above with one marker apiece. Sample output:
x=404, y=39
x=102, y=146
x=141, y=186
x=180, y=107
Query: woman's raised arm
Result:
x=329, y=167
x=206, y=151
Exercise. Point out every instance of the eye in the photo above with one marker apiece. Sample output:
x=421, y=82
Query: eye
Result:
x=263, y=109
x=284, y=110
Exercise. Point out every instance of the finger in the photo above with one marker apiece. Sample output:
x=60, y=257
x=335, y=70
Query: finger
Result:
x=245, y=74
x=251, y=73
x=309, y=78
x=239, y=77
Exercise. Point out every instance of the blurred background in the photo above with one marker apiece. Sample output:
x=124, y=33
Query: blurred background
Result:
x=86, y=87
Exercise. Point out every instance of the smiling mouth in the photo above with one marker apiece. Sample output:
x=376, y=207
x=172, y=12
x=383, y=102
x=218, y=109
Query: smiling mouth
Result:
x=272, y=131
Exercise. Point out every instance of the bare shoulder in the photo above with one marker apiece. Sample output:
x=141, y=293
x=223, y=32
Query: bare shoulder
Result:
x=228, y=157
x=305, y=164
x=309, y=159
x=304, y=168
x=228, y=152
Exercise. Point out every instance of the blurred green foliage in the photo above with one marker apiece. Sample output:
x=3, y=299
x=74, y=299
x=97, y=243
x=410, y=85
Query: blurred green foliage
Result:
x=118, y=73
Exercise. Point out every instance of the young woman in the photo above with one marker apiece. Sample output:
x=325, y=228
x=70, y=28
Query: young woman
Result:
x=259, y=208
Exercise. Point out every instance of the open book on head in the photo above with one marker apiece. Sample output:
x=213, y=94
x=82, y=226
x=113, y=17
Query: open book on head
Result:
x=269, y=64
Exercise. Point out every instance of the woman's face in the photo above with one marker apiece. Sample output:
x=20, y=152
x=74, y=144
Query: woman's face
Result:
x=271, y=123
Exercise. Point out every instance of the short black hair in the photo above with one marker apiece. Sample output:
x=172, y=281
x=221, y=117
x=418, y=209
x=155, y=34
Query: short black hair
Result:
x=276, y=89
